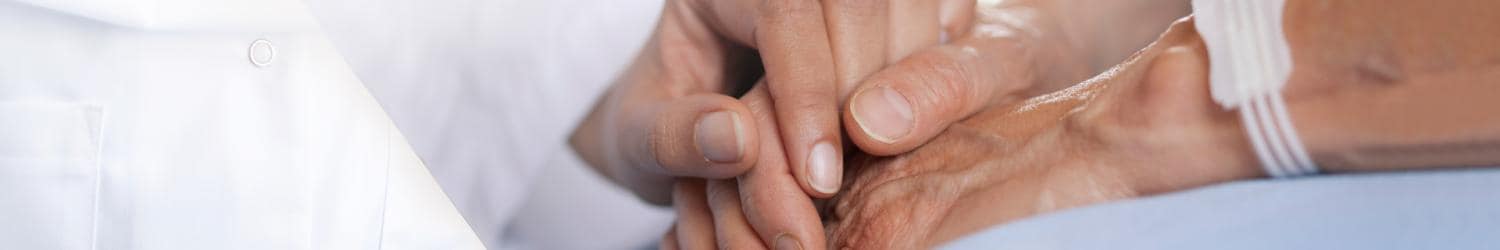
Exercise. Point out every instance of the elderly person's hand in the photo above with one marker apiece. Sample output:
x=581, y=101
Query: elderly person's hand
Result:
x=1110, y=138
x=1371, y=90
x=1015, y=49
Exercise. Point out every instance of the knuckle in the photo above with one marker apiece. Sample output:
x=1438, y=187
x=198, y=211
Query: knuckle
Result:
x=720, y=194
x=755, y=198
x=668, y=148
x=946, y=83
x=658, y=149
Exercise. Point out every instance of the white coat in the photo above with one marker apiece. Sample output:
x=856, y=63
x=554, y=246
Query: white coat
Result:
x=184, y=124
x=487, y=91
x=271, y=124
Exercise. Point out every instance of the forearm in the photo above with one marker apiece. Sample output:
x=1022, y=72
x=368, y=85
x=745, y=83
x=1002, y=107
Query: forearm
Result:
x=1378, y=90
x=1150, y=126
x=1371, y=90
x=1440, y=120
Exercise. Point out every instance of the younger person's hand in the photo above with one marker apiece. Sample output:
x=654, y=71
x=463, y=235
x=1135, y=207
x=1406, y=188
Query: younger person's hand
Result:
x=673, y=113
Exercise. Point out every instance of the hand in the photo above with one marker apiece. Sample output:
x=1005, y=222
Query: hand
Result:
x=1016, y=49
x=727, y=213
x=997, y=62
x=762, y=208
x=671, y=114
x=1137, y=130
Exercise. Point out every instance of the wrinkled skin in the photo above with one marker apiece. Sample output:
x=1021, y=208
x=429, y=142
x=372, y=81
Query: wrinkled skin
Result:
x=1099, y=141
x=1370, y=90
x=1017, y=49
x=904, y=202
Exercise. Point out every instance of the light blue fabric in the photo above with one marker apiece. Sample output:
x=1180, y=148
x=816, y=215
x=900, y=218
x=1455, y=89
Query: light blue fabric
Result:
x=1457, y=209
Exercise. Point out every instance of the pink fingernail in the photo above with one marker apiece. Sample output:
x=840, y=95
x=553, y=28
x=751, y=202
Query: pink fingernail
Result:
x=720, y=137
x=823, y=167
x=883, y=113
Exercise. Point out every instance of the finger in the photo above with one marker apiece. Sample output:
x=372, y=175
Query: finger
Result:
x=701, y=135
x=730, y=226
x=799, y=73
x=856, y=32
x=792, y=38
x=911, y=101
x=669, y=240
x=735, y=20
x=914, y=25
x=781, y=213
x=957, y=18
x=695, y=225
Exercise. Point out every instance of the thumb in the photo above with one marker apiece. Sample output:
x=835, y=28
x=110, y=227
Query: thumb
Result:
x=908, y=103
x=704, y=135
x=642, y=138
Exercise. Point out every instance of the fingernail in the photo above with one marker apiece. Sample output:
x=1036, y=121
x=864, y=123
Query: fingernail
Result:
x=823, y=168
x=720, y=137
x=787, y=242
x=883, y=113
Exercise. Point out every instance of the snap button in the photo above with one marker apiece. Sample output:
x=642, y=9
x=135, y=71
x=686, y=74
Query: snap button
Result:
x=262, y=53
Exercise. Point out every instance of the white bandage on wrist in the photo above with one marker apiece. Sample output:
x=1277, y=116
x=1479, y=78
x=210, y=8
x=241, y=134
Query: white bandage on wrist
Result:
x=1249, y=63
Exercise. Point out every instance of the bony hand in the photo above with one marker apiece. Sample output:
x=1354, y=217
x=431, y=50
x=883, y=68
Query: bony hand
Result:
x=1136, y=130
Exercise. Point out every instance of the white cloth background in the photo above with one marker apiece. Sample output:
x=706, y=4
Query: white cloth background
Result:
x=487, y=92
x=196, y=148
x=143, y=125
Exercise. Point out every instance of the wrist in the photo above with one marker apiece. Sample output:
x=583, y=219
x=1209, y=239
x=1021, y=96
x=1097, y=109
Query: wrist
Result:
x=1153, y=160
x=1158, y=126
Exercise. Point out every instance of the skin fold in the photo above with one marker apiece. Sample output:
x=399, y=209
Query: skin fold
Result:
x=1371, y=90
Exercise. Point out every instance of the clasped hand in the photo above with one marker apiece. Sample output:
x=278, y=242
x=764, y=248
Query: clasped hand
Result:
x=737, y=118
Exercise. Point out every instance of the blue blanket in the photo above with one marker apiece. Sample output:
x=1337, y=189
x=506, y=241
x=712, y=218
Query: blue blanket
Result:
x=1457, y=209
